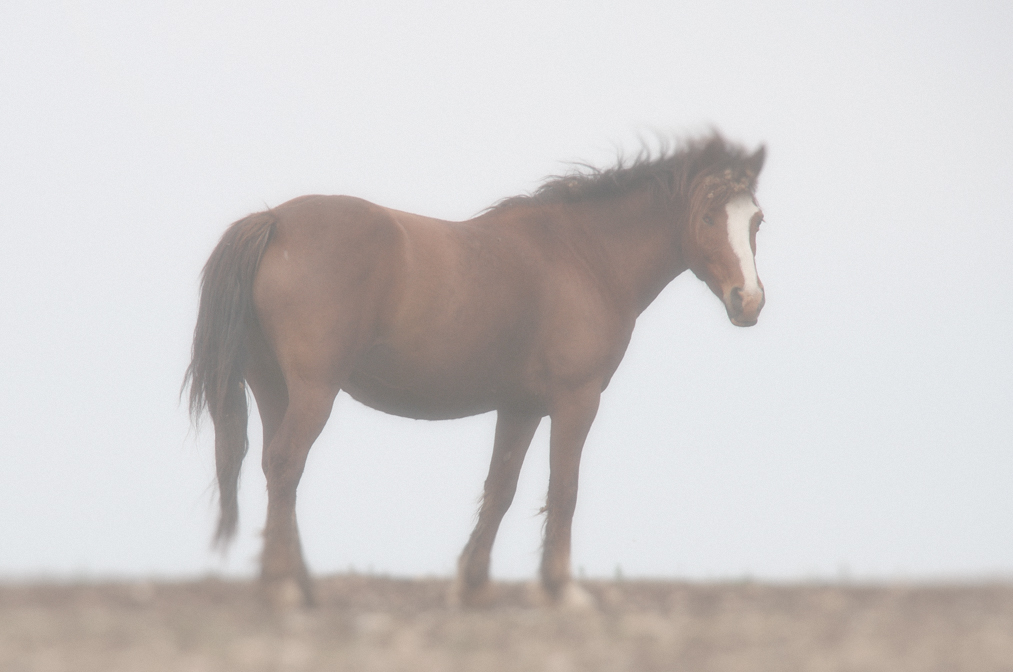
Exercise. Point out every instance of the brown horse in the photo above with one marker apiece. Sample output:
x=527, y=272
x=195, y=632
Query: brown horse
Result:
x=526, y=309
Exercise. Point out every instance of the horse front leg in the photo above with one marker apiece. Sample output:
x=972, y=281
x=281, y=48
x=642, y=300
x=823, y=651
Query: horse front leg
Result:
x=571, y=420
x=284, y=576
x=513, y=436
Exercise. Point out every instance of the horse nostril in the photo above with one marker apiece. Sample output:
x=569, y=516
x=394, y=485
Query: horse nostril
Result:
x=736, y=299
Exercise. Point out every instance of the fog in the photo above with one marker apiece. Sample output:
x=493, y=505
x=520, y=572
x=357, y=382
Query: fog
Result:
x=861, y=430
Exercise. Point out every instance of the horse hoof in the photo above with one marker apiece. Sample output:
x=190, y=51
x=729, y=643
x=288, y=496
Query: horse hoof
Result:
x=570, y=597
x=285, y=596
x=574, y=598
x=460, y=597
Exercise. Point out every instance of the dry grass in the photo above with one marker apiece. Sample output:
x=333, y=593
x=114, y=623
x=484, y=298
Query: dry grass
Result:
x=372, y=623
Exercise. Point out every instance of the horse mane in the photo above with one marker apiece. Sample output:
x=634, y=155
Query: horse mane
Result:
x=671, y=171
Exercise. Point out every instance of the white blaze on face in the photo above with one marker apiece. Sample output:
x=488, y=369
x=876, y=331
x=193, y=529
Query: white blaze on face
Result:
x=740, y=211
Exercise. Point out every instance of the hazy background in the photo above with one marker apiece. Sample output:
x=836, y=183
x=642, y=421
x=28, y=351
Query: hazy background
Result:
x=861, y=429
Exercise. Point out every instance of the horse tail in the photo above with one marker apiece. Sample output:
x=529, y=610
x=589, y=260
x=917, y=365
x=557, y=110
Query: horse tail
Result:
x=216, y=374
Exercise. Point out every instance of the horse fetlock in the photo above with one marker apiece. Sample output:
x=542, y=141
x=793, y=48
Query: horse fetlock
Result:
x=555, y=569
x=473, y=571
x=471, y=586
x=286, y=580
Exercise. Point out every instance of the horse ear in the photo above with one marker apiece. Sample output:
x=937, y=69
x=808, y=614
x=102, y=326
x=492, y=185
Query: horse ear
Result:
x=713, y=152
x=754, y=164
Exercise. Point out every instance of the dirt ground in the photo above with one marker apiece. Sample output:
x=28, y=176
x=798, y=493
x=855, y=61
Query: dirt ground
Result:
x=375, y=623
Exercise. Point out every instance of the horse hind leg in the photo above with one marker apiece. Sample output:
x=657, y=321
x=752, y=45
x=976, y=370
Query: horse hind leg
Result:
x=266, y=381
x=283, y=570
x=513, y=436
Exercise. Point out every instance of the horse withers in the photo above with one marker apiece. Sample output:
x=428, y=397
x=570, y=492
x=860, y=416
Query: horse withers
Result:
x=525, y=310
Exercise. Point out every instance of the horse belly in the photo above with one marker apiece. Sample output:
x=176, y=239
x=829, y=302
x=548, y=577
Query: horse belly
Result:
x=443, y=373
x=421, y=395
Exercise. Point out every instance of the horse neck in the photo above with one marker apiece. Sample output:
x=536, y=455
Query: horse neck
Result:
x=634, y=241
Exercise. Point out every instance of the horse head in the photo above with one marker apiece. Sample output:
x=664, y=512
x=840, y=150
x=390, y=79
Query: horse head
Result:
x=719, y=238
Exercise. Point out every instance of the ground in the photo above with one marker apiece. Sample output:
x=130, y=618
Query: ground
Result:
x=375, y=623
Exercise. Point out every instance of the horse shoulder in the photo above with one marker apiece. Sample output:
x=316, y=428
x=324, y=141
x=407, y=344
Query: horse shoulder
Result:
x=582, y=332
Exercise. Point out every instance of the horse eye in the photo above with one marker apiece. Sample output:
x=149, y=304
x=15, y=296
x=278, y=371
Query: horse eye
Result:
x=708, y=220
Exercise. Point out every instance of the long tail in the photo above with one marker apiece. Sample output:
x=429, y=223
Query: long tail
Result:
x=216, y=374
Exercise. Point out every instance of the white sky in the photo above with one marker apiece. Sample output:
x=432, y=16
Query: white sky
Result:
x=863, y=426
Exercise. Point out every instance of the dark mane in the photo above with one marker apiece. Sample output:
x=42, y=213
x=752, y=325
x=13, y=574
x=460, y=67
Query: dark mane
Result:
x=671, y=171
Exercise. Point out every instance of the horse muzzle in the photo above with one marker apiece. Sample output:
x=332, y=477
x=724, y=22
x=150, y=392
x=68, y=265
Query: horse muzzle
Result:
x=744, y=307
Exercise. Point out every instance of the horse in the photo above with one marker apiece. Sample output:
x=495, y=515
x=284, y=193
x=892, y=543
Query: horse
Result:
x=525, y=310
